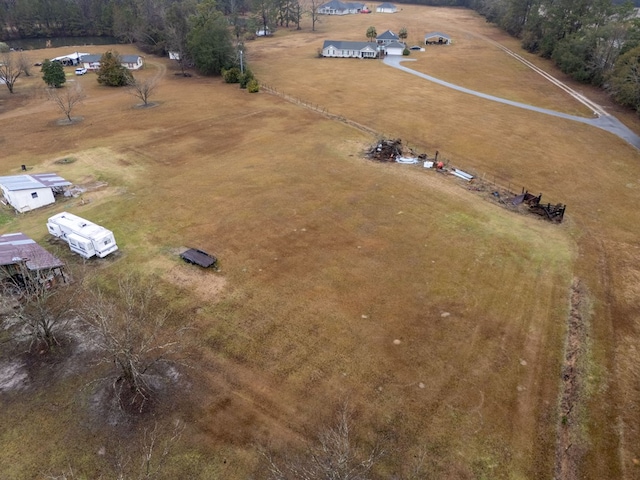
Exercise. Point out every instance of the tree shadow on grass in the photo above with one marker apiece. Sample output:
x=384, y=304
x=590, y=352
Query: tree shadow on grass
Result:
x=144, y=106
x=66, y=121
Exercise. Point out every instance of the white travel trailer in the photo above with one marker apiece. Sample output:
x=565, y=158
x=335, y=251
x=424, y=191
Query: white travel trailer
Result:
x=84, y=237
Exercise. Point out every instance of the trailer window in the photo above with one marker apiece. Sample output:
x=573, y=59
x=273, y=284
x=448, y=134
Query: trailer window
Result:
x=34, y=195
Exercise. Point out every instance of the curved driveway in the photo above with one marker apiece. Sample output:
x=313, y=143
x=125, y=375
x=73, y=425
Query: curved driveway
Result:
x=605, y=122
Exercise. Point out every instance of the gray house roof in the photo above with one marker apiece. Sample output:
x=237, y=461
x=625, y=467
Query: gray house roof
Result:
x=437, y=34
x=388, y=35
x=17, y=247
x=29, y=182
x=387, y=5
x=395, y=45
x=123, y=58
x=338, y=5
x=345, y=45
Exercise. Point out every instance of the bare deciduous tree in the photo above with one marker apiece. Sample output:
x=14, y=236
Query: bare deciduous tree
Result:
x=153, y=451
x=133, y=335
x=335, y=456
x=144, y=461
x=311, y=7
x=24, y=64
x=9, y=70
x=143, y=89
x=42, y=309
x=66, y=98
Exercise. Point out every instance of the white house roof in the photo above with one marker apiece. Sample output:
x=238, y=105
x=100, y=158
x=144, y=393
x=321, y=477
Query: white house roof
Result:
x=437, y=34
x=71, y=56
x=17, y=247
x=30, y=182
x=388, y=35
x=346, y=45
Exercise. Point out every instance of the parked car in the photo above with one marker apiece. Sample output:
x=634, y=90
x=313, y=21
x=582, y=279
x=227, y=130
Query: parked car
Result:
x=81, y=71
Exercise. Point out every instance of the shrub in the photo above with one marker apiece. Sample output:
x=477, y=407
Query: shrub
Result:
x=246, y=78
x=253, y=86
x=232, y=75
x=4, y=47
x=406, y=52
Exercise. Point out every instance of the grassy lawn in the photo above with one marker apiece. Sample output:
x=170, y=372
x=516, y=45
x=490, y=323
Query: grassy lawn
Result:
x=437, y=314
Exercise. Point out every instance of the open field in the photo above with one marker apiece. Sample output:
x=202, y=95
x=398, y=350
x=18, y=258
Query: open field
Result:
x=438, y=315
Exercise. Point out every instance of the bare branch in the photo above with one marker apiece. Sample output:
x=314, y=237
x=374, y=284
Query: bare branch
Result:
x=10, y=70
x=143, y=89
x=66, y=98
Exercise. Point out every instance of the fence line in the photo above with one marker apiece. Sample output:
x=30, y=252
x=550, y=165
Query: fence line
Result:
x=493, y=179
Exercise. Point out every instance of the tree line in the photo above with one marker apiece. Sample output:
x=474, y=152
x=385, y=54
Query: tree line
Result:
x=593, y=41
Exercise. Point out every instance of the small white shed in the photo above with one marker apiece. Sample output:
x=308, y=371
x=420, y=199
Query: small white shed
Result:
x=27, y=192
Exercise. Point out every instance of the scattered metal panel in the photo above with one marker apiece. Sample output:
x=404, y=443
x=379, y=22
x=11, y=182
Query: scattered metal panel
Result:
x=463, y=175
x=198, y=257
x=518, y=200
x=410, y=160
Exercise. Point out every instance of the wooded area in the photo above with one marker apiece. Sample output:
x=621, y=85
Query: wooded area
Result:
x=596, y=42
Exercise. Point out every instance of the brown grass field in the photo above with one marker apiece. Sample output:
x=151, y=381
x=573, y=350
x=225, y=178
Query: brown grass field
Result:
x=438, y=315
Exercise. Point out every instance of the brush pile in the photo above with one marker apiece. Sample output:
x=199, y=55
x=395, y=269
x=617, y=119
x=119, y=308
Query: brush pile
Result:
x=390, y=150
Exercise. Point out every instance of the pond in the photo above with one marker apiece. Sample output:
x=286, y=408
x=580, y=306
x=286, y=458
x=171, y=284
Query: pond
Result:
x=37, y=43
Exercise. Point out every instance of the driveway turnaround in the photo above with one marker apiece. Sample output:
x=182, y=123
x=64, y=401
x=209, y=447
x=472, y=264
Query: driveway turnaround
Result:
x=605, y=122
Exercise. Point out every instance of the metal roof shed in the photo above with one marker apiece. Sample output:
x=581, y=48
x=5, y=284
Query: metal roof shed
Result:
x=27, y=192
x=17, y=247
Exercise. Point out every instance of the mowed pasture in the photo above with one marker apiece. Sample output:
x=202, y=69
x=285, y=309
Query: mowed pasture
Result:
x=439, y=316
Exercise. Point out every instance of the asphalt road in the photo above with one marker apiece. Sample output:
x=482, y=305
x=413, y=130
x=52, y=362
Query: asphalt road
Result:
x=605, y=122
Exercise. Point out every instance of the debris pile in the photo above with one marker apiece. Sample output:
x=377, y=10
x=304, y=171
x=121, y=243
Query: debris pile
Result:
x=391, y=150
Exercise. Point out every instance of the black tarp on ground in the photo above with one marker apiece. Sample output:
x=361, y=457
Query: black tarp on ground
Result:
x=198, y=257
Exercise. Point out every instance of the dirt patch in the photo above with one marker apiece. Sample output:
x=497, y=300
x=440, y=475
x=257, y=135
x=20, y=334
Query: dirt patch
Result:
x=207, y=284
x=569, y=450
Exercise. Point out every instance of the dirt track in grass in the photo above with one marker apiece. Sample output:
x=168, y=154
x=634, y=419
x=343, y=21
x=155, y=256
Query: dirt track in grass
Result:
x=327, y=259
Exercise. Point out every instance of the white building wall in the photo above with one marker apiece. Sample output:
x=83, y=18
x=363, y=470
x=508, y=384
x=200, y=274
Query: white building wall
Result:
x=25, y=200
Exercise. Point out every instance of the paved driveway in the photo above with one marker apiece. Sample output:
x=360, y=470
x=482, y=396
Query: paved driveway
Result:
x=605, y=122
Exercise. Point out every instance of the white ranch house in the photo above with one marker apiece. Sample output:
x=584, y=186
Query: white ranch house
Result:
x=342, y=49
x=28, y=192
x=386, y=7
x=131, y=62
x=336, y=7
x=438, y=38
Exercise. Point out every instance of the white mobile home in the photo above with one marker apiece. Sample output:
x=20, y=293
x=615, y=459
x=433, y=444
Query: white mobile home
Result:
x=84, y=237
x=27, y=192
x=131, y=62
